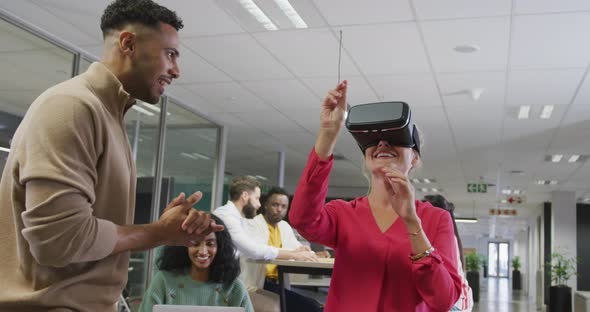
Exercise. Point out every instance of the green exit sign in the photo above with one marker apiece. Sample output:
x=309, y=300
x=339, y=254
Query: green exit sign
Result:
x=477, y=187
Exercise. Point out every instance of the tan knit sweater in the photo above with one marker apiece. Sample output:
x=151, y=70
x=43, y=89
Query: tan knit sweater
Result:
x=68, y=180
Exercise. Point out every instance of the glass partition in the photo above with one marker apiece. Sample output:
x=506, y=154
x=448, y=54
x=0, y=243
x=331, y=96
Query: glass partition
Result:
x=29, y=66
x=142, y=122
x=190, y=153
x=84, y=64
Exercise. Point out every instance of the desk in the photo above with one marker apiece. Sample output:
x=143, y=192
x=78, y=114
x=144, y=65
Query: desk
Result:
x=324, y=267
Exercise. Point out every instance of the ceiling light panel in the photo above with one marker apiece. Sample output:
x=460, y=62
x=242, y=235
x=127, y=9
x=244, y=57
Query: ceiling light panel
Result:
x=523, y=112
x=291, y=13
x=573, y=158
x=556, y=158
x=271, y=15
x=258, y=14
x=546, y=112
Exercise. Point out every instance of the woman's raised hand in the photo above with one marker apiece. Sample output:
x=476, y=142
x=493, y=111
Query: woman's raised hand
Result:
x=333, y=109
x=332, y=115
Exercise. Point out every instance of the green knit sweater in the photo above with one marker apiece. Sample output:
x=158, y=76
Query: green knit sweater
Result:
x=180, y=289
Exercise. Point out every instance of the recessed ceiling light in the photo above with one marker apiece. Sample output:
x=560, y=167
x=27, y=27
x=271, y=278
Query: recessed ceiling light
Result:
x=523, y=112
x=516, y=192
x=547, y=111
x=556, y=158
x=574, y=158
x=151, y=107
x=251, y=7
x=506, y=192
x=427, y=181
x=202, y=156
x=414, y=180
x=142, y=110
x=291, y=13
x=466, y=48
x=553, y=182
x=435, y=190
x=191, y=156
x=466, y=220
x=424, y=189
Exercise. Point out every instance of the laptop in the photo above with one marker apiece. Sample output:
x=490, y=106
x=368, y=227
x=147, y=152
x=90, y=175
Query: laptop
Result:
x=186, y=308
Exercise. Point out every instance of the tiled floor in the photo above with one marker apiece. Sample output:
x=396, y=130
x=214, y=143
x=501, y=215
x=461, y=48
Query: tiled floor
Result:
x=496, y=295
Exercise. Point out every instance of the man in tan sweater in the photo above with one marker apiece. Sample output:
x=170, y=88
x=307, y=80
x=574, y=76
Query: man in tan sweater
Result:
x=67, y=193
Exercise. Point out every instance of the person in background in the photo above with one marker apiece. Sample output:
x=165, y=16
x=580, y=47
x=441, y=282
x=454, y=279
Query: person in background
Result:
x=393, y=253
x=205, y=274
x=244, y=199
x=67, y=194
x=465, y=302
x=270, y=228
x=441, y=202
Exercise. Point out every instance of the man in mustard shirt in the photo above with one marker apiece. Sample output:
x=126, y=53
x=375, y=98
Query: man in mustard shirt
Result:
x=270, y=227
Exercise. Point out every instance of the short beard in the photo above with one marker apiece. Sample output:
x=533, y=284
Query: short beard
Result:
x=249, y=211
x=273, y=219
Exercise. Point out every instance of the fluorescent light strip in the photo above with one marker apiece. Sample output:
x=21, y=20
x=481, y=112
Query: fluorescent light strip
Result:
x=553, y=182
x=152, y=108
x=261, y=177
x=4, y=149
x=202, y=156
x=466, y=220
x=506, y=192
x=251, y=7
x=149, y=106
x=427, y=181
x=291, y=13
x=556, y=158
x=523, y=113
x=574, y=158
x=547, y=111
x=191, y=156
x=142, y=110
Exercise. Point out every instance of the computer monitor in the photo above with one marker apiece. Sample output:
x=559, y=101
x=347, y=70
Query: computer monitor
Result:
x=185, y=308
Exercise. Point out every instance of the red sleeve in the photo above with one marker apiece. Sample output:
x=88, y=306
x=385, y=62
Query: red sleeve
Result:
x=436, y=277
x=312, y=218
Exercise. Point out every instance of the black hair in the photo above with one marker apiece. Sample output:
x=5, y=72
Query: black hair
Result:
x=225, y=267
x=146, y=12
x=441, y=202
x=438, y=201
x=266, y=197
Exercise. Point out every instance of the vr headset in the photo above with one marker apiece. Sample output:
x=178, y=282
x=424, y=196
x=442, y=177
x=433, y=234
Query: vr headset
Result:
x=389, y=121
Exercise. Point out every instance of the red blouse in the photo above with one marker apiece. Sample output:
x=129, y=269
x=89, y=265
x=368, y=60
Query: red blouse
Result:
x=372, y=271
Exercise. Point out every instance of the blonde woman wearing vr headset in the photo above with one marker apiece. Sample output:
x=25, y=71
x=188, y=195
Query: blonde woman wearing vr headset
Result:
x=393, y=253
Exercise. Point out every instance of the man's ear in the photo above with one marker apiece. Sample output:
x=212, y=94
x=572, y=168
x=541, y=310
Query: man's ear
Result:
x=245, y=196
x=127, y=42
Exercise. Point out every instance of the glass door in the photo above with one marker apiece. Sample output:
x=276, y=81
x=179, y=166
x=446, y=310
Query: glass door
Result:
x=498, y=257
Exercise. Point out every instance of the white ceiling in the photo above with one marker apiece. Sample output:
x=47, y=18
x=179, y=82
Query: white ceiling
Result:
x=267, y=86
